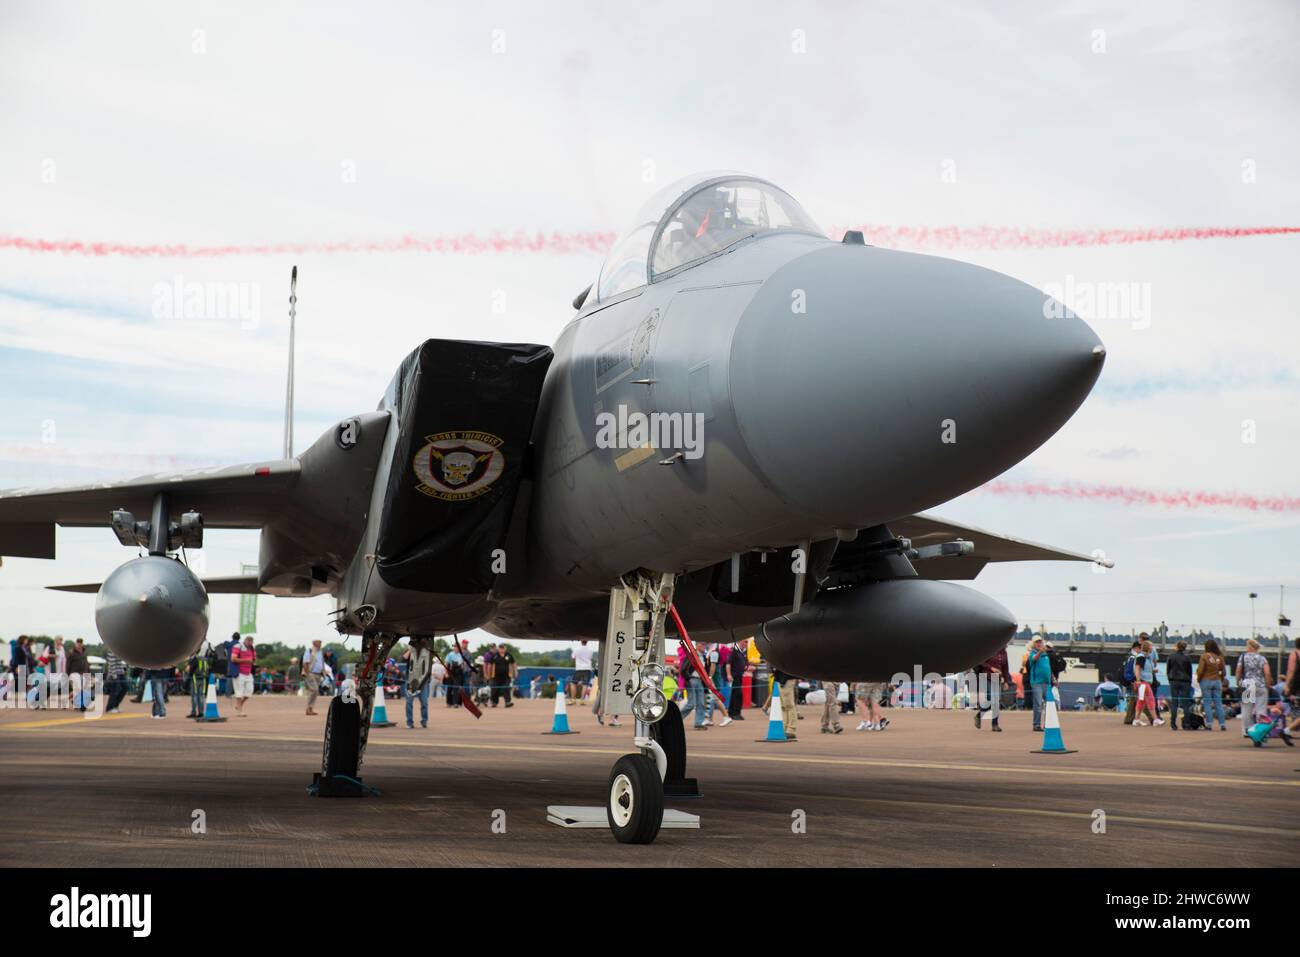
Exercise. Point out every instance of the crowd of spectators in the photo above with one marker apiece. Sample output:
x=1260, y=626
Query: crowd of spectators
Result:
x=711, y=686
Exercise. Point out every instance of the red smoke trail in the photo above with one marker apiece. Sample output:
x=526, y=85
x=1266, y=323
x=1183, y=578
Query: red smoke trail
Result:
x=1014, y=237
x=463, y=243
x=1125, y=495
x=64, y=457
x=911, y=237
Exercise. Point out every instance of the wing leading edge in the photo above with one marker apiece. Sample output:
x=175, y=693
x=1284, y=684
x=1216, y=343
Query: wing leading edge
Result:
x=238, y=496
x=926, y=529
x=223, y=585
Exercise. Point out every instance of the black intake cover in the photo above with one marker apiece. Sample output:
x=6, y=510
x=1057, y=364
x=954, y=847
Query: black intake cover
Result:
x=465, y=412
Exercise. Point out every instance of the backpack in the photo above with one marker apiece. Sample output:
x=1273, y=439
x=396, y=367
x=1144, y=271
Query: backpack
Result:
x=685, y=666
x=1057, y=661
x=1130, y=673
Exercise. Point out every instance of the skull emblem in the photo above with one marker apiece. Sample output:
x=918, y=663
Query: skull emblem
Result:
x=457, y=466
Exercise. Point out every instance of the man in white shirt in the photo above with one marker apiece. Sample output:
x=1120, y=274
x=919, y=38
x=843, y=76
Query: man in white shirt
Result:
x=313, y=670
x=582, y=656
x=58, y=670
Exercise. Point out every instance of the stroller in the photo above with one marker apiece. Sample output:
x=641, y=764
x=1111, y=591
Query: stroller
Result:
x=1274, y=727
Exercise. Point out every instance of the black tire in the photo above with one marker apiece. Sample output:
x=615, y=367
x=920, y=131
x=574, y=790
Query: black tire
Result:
x=342, y=754
x=669, y=732
x=634, y=786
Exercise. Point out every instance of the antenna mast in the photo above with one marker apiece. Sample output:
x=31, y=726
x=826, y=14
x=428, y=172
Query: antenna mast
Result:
x=288, y=391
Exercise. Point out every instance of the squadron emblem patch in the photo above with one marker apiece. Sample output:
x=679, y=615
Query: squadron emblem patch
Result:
x=457, y=466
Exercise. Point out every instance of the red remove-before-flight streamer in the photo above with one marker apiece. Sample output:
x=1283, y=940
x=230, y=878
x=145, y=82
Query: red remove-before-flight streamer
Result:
x=1127, y=495
x=596, y=241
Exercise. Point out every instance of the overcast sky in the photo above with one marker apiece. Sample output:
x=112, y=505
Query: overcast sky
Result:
x=219, y=124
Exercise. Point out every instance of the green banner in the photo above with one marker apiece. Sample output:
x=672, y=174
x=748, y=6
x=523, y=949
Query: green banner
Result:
x=248, y=605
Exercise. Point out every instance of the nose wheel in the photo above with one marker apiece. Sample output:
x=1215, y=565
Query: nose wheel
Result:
x=636, y=800
x=347, y=726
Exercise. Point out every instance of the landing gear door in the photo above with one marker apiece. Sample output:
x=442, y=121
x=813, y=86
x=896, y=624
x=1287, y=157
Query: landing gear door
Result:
x=627, y=640
x=617, y=672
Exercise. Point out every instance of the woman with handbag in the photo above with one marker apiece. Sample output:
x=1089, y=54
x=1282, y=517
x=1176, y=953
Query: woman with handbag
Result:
x=1253, y=677
x=1211, y=673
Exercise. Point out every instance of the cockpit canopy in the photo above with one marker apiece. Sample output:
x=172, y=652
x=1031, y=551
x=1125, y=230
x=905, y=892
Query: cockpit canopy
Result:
x=691, y=220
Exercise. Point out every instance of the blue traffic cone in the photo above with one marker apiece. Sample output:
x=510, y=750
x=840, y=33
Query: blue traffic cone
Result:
x=560, y=722
x=1053, y=743
x=379, y=717
x=775, y=721
x=210, y=712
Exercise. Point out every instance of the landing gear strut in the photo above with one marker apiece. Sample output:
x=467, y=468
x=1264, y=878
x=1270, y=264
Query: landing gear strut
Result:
x=632, y=676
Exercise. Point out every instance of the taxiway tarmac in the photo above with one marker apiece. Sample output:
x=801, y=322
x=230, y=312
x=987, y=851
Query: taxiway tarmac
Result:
x=124, y=790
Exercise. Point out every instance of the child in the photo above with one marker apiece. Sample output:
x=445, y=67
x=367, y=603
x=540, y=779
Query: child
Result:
x=1146, y=698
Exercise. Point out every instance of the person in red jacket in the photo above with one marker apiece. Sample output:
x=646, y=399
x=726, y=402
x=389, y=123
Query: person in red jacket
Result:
x=992, y=675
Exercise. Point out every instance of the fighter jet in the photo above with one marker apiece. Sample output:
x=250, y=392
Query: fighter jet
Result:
x=739, y=429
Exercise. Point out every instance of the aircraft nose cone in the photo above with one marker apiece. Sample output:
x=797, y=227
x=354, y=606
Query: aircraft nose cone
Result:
x=871, y=383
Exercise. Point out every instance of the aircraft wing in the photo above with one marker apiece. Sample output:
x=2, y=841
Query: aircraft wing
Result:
x=926, y=529
x=238, y=496
x=222, y=585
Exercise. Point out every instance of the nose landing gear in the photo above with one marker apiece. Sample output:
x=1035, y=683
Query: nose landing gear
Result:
x=631, y=680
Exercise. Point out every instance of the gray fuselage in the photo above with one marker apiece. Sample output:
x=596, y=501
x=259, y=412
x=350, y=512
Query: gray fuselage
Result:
x=840, y=386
